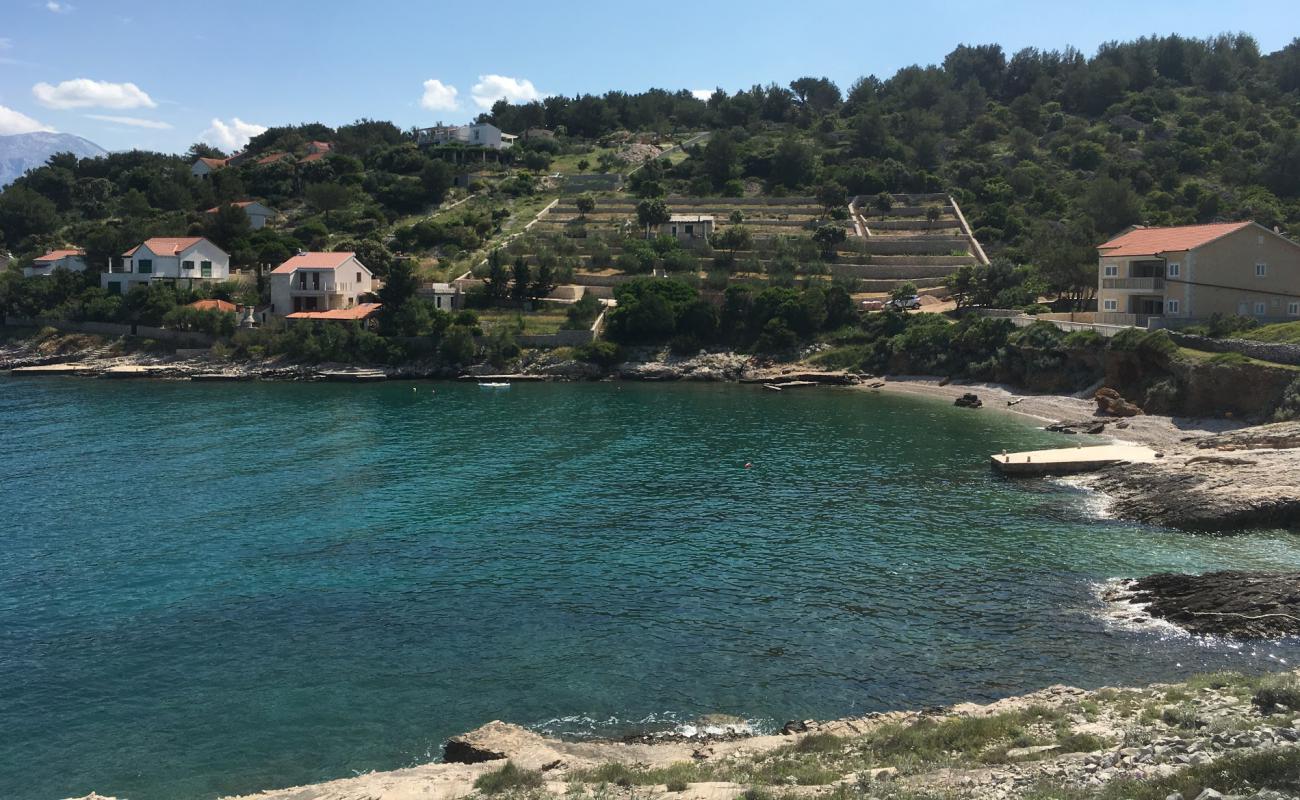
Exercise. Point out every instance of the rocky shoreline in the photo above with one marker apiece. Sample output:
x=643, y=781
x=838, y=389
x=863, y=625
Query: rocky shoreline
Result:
x=1228, y=603
x=1214, y=736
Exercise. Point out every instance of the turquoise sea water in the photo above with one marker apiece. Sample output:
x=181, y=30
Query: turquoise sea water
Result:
x=208, y=589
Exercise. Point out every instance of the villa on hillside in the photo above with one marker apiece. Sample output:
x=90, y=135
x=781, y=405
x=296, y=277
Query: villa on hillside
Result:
x=1190, y=272
x=310, y=284
x=258, y=214
x=71, y=260
x=186, y=261
x=685, y=227
x=206, y=166
x=482, y=134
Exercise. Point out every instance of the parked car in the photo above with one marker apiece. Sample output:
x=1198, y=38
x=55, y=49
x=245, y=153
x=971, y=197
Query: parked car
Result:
x=904, y=304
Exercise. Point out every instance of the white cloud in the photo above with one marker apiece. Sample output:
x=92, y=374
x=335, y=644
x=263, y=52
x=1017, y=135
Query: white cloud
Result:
x=231, y=136
x=85, y=93
x=439, y=96
x=703, y=94
x=491, y=88
x=59, y=8
x=12, y=122
x=135, y=122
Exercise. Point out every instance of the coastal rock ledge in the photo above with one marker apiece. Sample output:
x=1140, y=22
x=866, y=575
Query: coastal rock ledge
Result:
x=1244, y=605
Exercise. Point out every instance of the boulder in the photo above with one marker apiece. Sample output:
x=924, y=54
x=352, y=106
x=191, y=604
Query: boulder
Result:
x=1110, y=402
x=968, y=400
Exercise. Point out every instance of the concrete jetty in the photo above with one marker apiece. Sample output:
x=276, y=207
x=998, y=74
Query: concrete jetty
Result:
x=354, y=376
x=134, y=371
x=1068, y=460
x=48, y=369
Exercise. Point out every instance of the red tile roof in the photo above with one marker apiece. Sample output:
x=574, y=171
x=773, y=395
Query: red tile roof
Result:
x=240, y=203
x=166, y=245
x=215, y=163
x=312, y=157
x=273, y=157
x=55, y=255
x=314, y=260
x=1150, y=241
x=214, y=305
x=359, y=311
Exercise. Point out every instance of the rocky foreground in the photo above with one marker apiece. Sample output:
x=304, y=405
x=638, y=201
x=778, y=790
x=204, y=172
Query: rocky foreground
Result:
x=1221, y=735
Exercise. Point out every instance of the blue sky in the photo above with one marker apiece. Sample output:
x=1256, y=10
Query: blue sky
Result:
x=161, y=75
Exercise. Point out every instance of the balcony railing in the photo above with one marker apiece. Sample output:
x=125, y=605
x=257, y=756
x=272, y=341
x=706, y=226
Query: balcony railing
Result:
x=325, y=287
x=1139, y=284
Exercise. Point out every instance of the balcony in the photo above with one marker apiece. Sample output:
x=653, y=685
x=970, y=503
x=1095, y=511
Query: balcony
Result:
x=323, y=288
x=1134, y=284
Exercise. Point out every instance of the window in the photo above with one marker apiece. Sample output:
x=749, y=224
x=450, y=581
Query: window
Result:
x=1293, y=309
x=1260, y=308
x=187, y=265
x=1174, y=269
x=1110, y=305
x=438, y=301
x=1261, y=270
x=1111, y=270
x=358, y=277
x=205, y=269
x=114, y=287
x=1171, y=306
x=144, y=265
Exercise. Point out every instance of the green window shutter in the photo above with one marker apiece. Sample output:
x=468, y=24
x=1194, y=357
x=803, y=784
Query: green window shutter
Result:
x=205, y=268
x=145, y=266
x=114, y=287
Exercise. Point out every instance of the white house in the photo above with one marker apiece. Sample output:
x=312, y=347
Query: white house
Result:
x=687, y=226
x=71, y=260
x=183, y=260
x=206, y=166
x=482, y=134
x=258, y=214
x=312, y=283
x=444, y=296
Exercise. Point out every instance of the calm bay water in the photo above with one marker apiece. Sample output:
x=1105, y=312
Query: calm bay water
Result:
x=208, y=589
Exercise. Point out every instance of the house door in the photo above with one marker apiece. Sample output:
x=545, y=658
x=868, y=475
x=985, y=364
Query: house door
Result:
x=1243, y=309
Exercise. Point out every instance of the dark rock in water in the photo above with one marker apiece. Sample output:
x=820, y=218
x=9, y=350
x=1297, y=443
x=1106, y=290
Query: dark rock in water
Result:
x=1229, y=603
x=968, y=400
x=794, y=726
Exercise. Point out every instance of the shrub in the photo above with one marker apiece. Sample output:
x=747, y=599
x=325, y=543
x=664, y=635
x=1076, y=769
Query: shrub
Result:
x=600, y=352
x=1283, y=691
x=1289, y=407
x=508, y=778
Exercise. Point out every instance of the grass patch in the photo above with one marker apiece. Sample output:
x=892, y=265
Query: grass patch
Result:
x=683, y=772
x=819, y=743
x=533, y=323
x=508, y=778
x=1284, y=332
x=1229, y=359
x=1276, y=693
x=844, y=357
x=967, y=739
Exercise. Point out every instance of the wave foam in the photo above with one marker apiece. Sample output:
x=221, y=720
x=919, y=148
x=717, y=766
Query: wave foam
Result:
x=667, y=724
x=1096, y=505
x=1120, y=609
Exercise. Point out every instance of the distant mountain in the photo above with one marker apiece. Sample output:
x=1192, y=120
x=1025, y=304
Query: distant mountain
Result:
x=23, y=151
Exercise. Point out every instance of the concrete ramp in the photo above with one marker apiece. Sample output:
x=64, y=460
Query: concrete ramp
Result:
x=1068, y=460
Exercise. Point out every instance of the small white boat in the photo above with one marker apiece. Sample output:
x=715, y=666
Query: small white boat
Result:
x=494, y=385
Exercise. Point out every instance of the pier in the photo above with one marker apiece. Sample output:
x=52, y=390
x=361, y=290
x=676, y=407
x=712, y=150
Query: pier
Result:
x=1069, y=460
